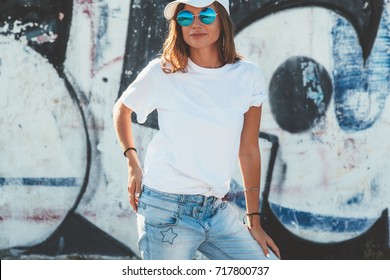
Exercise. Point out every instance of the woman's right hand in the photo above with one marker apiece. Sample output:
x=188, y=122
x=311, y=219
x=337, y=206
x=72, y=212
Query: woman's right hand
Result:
x=134, y=185
x=123, y=127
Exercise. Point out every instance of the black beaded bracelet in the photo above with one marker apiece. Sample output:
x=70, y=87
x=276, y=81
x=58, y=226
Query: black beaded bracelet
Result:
x=250, y=215
x=128, y=149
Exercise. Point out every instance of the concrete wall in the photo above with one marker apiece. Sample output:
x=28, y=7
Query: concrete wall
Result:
x=325, y=154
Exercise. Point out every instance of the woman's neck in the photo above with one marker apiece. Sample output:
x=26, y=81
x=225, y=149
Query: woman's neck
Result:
x=206, y=58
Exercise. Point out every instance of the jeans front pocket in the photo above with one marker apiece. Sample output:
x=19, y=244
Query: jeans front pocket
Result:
x=159, y=217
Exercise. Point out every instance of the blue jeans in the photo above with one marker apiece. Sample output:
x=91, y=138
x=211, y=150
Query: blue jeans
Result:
x=174, y=226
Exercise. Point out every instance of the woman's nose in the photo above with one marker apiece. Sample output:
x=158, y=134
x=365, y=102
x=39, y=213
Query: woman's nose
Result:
x=197, y=21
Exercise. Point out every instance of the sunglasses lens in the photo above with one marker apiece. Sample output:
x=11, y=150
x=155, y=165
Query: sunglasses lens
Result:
x=185, y=18
x=207, y=16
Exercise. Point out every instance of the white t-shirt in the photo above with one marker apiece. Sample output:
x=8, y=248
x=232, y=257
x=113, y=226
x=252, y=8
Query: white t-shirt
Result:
x=200, y=115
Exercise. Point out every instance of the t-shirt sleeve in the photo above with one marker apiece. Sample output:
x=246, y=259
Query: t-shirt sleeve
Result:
x=141, y=95
x=259, y=93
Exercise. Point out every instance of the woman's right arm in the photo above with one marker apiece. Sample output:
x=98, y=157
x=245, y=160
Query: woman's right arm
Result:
x=123, y=129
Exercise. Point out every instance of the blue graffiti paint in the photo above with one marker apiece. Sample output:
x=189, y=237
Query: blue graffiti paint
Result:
x=236, y=194
x=311, y=81
x=47, y=182
x=322, y=223
x=361, y=89
x=102, y=28
x=356, y=199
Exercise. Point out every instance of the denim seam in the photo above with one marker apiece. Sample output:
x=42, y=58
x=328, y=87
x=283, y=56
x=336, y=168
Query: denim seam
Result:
x=160, y=208
x=146, y=254
x=219, y=250
x=163, y=225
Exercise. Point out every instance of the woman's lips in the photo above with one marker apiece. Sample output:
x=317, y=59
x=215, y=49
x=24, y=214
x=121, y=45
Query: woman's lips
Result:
x=197, y=34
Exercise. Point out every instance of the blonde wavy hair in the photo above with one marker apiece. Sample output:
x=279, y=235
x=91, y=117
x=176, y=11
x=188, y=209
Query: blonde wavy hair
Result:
x=176, y=51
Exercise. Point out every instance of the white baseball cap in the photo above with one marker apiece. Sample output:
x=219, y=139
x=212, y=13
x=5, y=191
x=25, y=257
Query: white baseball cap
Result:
x=170, y=9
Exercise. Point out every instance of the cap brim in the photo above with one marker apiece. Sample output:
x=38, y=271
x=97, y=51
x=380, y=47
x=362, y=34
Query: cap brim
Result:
x=170, y=9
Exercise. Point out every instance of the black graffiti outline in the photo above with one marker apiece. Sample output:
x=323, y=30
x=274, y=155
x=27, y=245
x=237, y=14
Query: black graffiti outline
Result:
x=365, y=20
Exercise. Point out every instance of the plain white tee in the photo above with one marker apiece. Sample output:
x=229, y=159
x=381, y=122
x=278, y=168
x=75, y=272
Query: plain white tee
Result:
x=200, y=115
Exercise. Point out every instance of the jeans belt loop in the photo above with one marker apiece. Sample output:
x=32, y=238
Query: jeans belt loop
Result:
x=204, y=202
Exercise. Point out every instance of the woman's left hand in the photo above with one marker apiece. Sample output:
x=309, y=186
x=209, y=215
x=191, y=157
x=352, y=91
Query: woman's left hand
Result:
x=264, y=240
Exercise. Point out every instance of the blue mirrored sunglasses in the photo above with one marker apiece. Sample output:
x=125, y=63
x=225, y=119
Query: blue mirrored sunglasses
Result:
x=206, y=16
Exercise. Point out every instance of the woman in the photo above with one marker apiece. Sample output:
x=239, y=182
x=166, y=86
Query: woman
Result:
x=209, y=109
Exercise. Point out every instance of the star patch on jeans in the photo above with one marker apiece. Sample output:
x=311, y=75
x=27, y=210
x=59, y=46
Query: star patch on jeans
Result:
x=168, y=235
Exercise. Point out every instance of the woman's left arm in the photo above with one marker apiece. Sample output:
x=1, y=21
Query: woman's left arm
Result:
x=250, y=165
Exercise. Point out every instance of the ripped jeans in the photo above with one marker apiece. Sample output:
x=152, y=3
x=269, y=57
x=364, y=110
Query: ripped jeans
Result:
x=174, y=226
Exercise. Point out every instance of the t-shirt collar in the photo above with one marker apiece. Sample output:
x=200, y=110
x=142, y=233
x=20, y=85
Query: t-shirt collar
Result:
x=209, y=71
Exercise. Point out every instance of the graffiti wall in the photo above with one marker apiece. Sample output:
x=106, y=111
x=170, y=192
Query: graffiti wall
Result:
x=323, y=139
